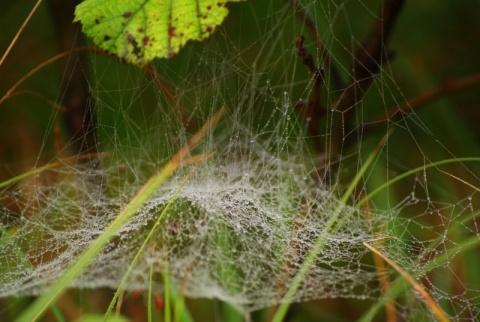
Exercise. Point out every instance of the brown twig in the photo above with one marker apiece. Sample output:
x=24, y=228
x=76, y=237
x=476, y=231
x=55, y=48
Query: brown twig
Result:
x=325, y=58
x=368, y=61
x=307, y=58
x=311, y=110
x=370, y=57
x=425, y=98
x=169, y=93
x=382, y=275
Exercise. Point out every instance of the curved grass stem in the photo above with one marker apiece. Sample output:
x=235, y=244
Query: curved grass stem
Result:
x=30, y=15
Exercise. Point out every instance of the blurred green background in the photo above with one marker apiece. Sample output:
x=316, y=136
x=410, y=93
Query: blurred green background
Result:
x=433, y=43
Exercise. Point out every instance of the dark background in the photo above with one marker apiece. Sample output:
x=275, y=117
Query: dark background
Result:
x=434, y=46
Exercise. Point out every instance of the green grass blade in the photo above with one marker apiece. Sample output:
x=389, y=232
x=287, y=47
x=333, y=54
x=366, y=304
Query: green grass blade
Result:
x=40, y=305
x=38, y=308
x=144, y=244
x=149, y=297
x=395, y=291
x=167, y=314
x=330, y=227
x=142, y=248
x=48, y=166
x=413, y=171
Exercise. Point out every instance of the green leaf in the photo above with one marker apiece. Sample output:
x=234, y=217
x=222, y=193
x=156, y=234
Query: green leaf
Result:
x=141, y=30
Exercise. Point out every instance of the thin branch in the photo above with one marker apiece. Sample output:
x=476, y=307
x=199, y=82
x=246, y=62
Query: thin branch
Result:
x=368, y=62
x=307, y=58
x=51, y=103
x=325, y=58
x=312, y=109
x=169, y=92
x=426, y=97
x=44, y=64
x=371, y=56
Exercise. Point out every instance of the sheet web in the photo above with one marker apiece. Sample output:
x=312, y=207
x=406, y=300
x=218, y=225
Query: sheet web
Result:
x=247, y=218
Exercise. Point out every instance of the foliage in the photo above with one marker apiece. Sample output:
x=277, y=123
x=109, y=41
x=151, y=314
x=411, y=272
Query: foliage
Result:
x=139, y=31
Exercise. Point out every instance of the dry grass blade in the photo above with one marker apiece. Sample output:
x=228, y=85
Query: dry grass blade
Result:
x=40, y=66
x=461, y=180
x=383, y=279
x=436, y=310
x=20, y=31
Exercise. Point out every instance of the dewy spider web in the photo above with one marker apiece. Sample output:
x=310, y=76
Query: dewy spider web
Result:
x=245, y=221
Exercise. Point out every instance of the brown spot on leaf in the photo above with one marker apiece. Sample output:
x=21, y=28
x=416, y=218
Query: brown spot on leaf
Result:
x=97, y=21
x=136, y=49
x=140, y=30
x=106, y=38
x=127, y=15
x=171, y=32
x=220, y=4
x=145, y=40
x=209, y=29
x=209, y=7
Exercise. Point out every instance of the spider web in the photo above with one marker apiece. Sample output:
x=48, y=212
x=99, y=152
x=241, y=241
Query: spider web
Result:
x=247, y=218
